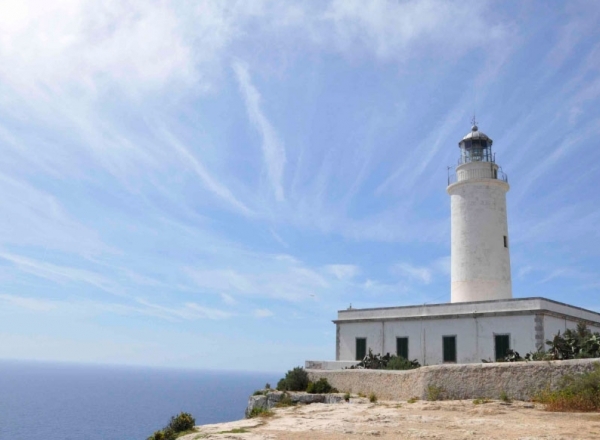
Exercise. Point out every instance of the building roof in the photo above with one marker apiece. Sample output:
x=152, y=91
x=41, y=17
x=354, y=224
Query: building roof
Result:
x=514, y=306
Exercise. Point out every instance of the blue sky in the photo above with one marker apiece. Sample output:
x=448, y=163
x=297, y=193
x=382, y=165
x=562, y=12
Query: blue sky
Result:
x=204, y=184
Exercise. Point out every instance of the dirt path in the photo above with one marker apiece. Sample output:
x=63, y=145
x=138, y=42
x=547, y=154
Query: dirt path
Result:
x=400, y=420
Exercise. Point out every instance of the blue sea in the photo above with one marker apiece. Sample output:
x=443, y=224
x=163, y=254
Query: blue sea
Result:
x=82, y=402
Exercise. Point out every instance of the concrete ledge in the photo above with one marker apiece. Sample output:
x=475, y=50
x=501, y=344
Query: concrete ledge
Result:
x=519, y=380
x=328, y=365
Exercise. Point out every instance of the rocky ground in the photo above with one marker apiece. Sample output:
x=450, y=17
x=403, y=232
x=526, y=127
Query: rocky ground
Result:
x=403, y=420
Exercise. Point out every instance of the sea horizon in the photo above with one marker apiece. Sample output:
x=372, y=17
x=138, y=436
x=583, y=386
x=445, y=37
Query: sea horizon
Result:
x=73, y=401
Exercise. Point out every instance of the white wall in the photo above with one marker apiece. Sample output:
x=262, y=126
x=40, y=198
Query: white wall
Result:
x=480, y=264
x=552, y=325
x=474, y=337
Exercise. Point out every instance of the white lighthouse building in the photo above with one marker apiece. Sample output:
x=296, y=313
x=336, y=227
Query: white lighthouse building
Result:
x=483, y=320
x=480, y=254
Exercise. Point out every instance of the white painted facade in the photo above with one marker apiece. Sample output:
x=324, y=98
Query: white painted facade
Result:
x=480, y=260
x=528, y=322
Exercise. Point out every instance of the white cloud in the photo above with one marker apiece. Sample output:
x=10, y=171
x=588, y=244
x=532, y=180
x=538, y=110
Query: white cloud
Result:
x=419, y=273
x=395, y=30
x=262, y=313
x=228, y=299
x=58, y=46
x=35, y=304
x=343, y=271
x=60, y=274
x=272, y=147
x=209, y=181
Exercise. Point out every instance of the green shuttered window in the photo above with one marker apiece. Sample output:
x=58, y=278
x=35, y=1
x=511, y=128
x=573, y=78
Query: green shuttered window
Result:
x=449, y=347
x=402, y=347
x=502, y=343
x=361, y=348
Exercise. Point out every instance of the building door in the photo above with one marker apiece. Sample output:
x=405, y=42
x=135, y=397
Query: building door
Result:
x=449, y=348
x=361, y=348
x=402, y=347
x=502, y=343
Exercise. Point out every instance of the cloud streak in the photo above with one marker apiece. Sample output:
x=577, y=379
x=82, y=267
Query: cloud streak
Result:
x=272, y=148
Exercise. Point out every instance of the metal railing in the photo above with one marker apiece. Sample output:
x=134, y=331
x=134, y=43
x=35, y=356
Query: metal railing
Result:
x=496, y=174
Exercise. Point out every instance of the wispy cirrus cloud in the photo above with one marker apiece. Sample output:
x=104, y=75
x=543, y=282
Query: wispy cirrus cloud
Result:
x=343, y=271
x=419, y=273
x=61, y=274
x=272, y=147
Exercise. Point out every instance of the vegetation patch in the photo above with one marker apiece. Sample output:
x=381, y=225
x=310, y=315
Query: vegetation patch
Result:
x=285, y=401
x=505, y=397
x=294, y=380
x=434, y=392
x=235, y=431
x=347, y=397
x=321, y=386
x=179, y=425
x=579, y=343
x=480, y=401
x=412, y=400
x=385, y=362
x=372, y=398
x=259, y=412
x=576, y=393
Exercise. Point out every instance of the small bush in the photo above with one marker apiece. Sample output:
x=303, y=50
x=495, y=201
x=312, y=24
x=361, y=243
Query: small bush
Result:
x=372, y=398
x=258, y=393
x=286, y=400
x=319, y=387
x=480, y=401
x=182, y=422
x=267, y=386
x=378, y=362
x=347, y=397
x=574, y=393
x=294, y=380
x=504, y=397
x=412, y=400
x=158, y=435
x=260, y=412
x=434, y=392
x=399, y=363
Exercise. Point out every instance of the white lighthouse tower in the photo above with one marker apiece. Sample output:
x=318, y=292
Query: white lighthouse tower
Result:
x=480, y=243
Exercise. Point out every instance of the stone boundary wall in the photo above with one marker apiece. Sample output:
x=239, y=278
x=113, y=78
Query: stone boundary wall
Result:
x=519, y=380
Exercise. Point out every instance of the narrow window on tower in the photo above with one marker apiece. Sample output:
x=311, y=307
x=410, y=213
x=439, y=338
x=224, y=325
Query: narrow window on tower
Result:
x=505, y=241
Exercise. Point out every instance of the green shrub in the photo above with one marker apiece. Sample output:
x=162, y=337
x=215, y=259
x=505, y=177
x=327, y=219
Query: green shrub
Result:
x=480, y=401
x=412, y=400
x=379, y=362
x=286, y=400
x=158, y=435
x=182, y=422
x=260, y=412
x=504, y=397
x=434, y=392
x=267, y=386
x=574, y=393
x=294, y=380
x=347, y=397
x=372, y=398
x=319, y=387
x=400, y=363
